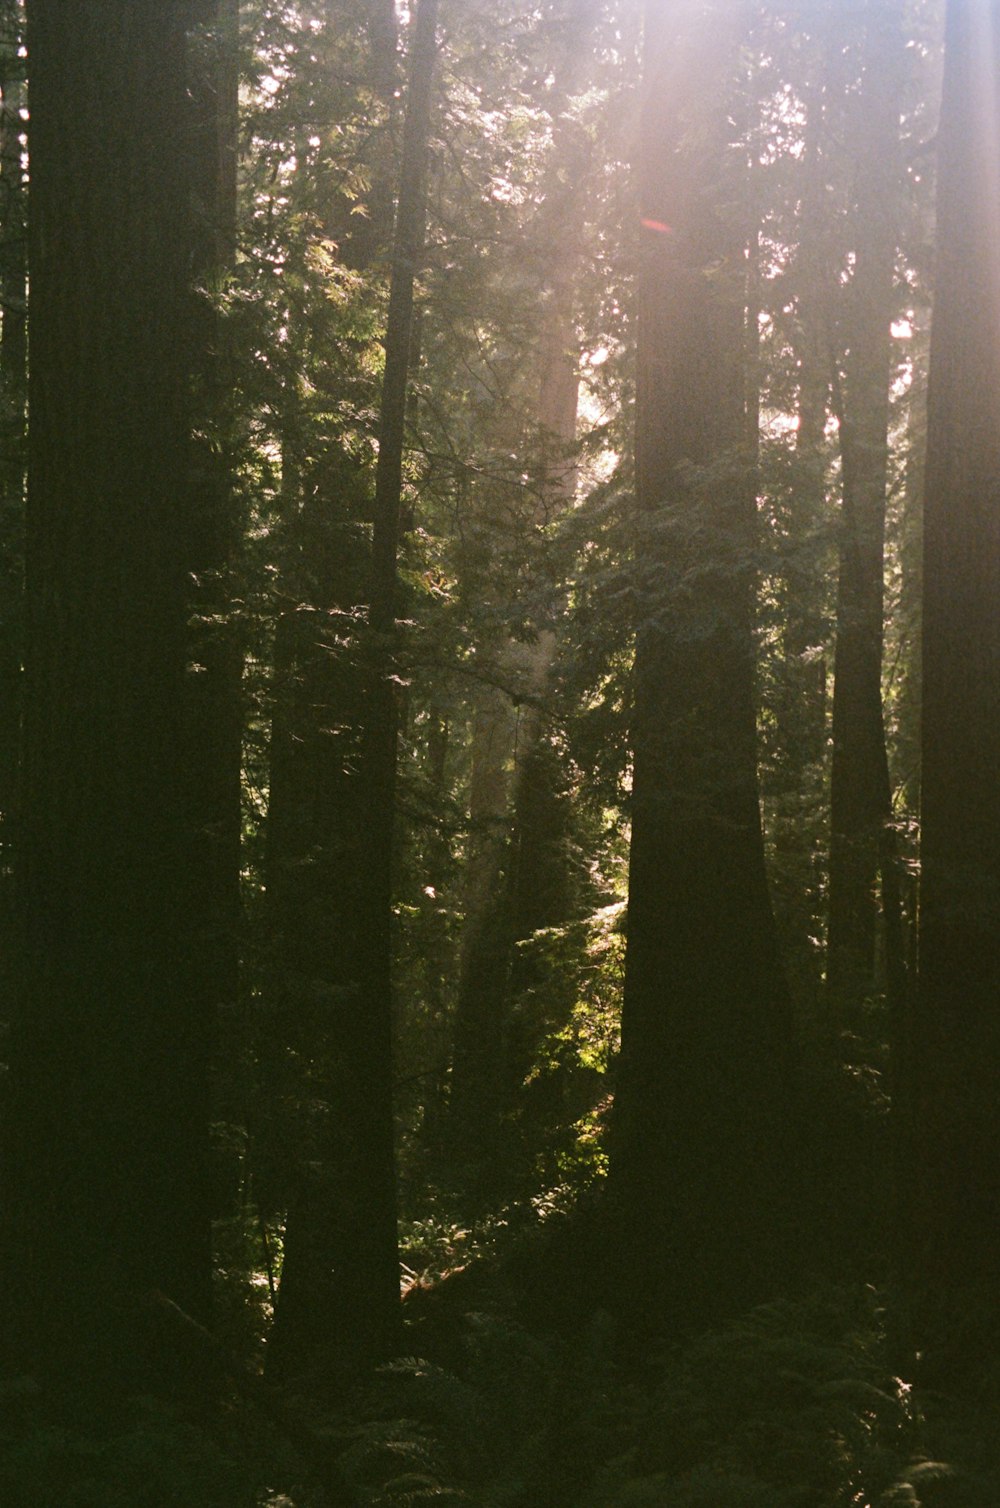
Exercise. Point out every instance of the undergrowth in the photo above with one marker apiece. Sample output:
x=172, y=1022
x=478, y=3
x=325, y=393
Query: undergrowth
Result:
x=791, y=1406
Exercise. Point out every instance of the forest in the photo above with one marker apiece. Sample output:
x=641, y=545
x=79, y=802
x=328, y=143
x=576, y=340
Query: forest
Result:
x=500, y=753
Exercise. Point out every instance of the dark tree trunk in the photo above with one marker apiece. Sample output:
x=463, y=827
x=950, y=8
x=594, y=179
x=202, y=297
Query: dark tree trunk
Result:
x=13, y=395
x=369, y=236
x=704, y=1076
x=371, y=1275
x=316, y=837
x=434, y=948
x=106, y=1157
x=339, y=1299
x=800, y=693
x=957, y=1032
x=214, y=710
x=859, y=789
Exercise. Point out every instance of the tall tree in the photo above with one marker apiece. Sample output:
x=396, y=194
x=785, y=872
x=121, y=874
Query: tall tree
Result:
x=343, y=1303
x=106, y=1157
x=517, y=877
x=957, y=1028
x=316, y=839
x=13, y=384
x=860, y=800
x=213, y=720
x=704, y=1074
x=799, y=694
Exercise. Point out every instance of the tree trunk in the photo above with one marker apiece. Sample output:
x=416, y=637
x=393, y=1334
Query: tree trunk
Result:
x=339, y=1299
x=316, y=837
x=13, y=395
x=110, y=1046
x=859, y=793
x=214, y=710
x=368, y=237
x=956, y=1237
x=703, y=1092
x=800, y=697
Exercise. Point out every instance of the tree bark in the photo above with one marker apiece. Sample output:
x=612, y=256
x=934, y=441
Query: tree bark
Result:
x=860, y=801
x=704, y=1082
x=213, y=720
x=106, y=1158
x=13, y=396
x=316, y=838
x=956, y=1235
x=339, y=1300
x=800, y=694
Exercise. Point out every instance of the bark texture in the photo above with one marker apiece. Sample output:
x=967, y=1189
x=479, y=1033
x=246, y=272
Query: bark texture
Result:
x=703, y=1083
x=339, y=1299
x=860, y=801
x=957, y=1030
x=13, y=395
x=107, y=1154
x=213, y=715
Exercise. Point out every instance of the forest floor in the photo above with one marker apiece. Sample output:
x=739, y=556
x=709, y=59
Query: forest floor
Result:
x=793, y=1405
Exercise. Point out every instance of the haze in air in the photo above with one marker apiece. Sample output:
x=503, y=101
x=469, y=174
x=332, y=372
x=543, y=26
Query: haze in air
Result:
x=499, y=708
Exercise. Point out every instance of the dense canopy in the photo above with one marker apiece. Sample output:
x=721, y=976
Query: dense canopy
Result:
x=499, y=753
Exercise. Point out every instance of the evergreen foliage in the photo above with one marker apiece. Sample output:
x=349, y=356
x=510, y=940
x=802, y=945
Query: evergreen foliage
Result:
x=547, y=711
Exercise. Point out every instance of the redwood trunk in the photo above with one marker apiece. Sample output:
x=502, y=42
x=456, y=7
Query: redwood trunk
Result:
x=110, y=1046
x=704, y=1083
x=13, y=394
x=957, y=1039
x=859, y=789
x=339, y=1299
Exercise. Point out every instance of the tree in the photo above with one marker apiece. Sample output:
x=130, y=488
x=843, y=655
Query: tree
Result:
x=330, y=134
x=516, y=879
x=795, y=487
x=956, y=1064
x=343, y=1301
x=704, y=1085
x=213, y=713
x=106, y=1156
x=13, y=383
x=860, y=797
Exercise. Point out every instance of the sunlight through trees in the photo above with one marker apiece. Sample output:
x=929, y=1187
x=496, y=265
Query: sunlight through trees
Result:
x=499, y=752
